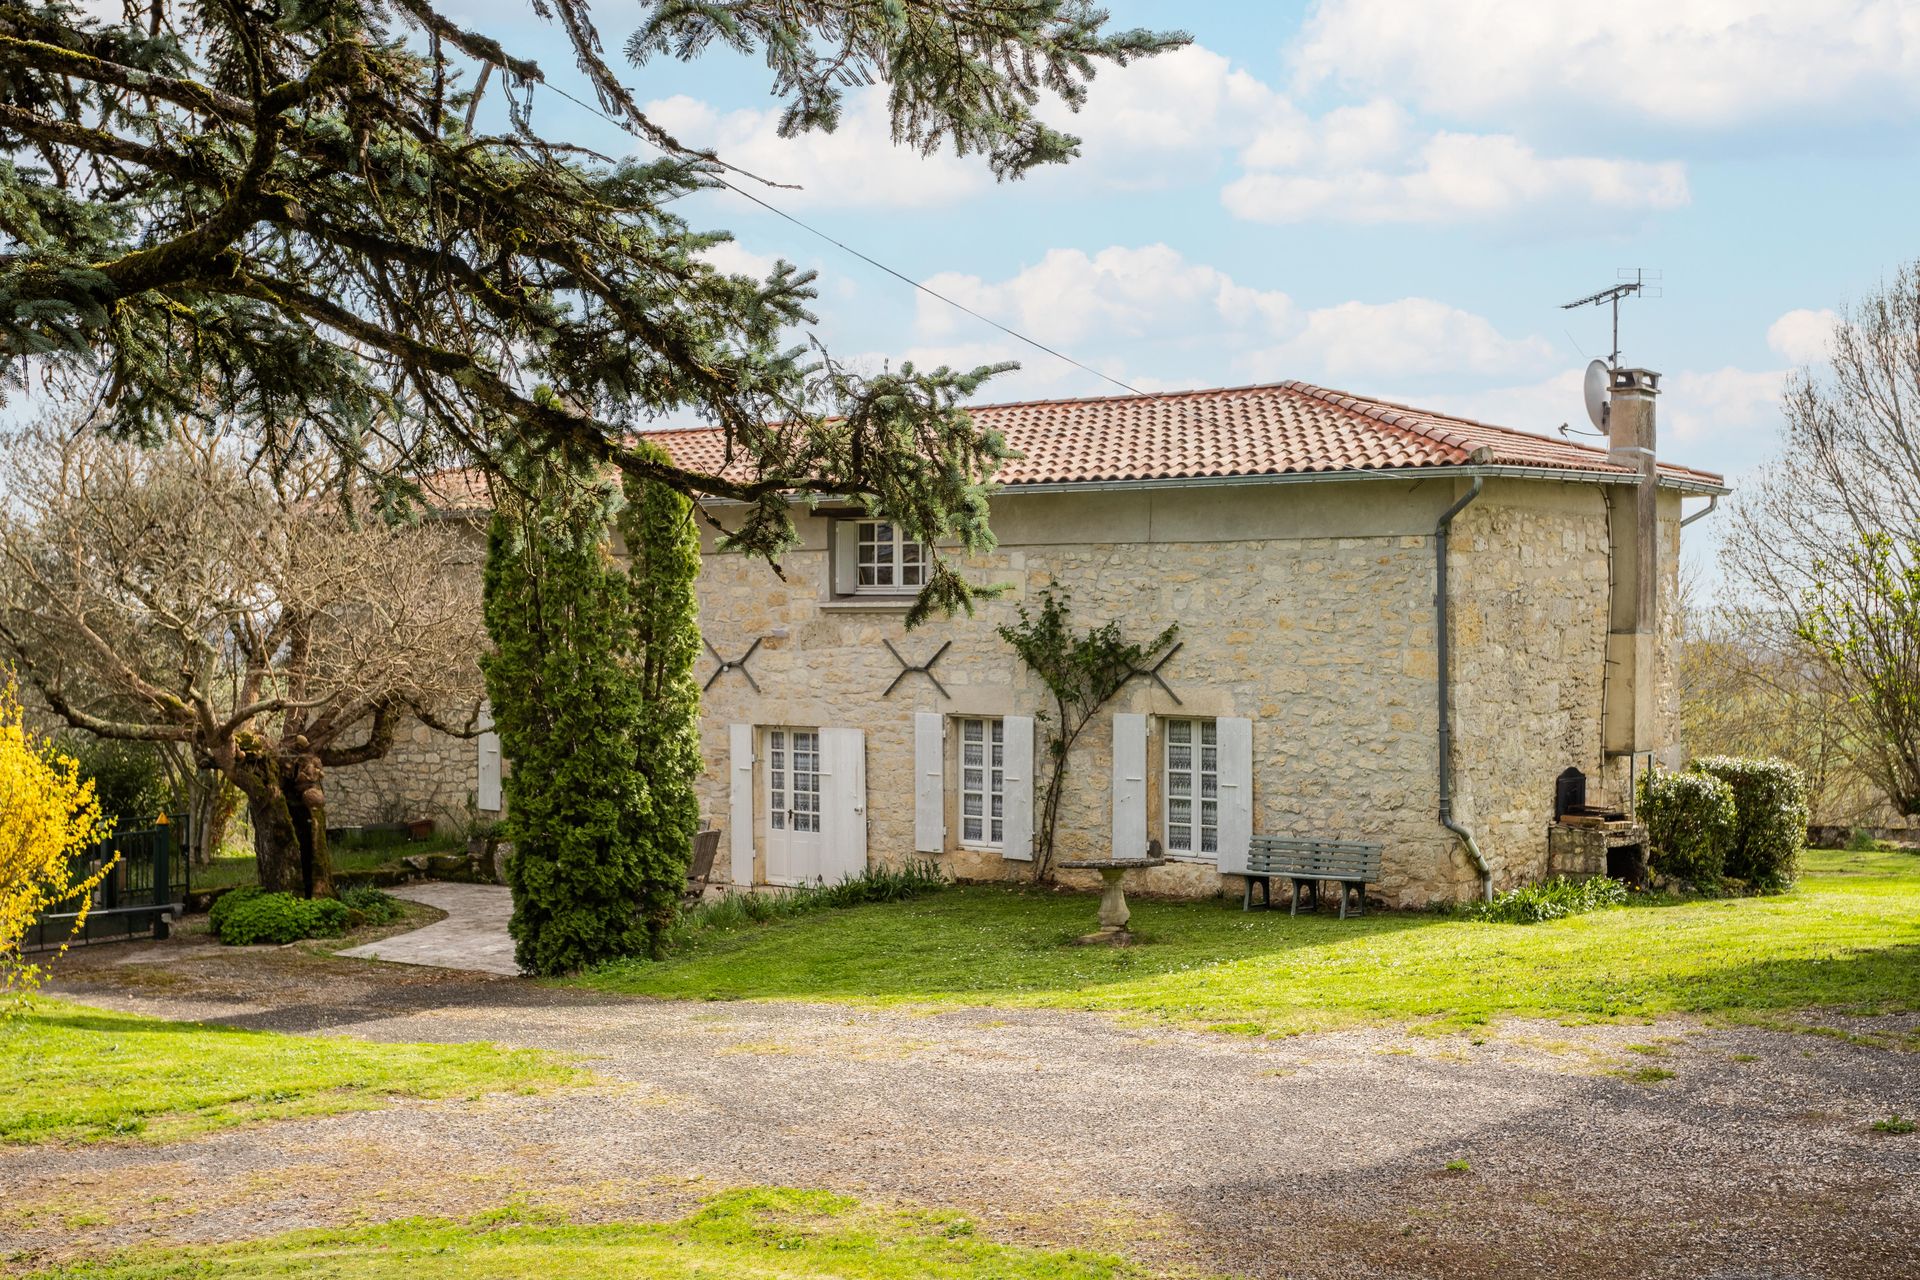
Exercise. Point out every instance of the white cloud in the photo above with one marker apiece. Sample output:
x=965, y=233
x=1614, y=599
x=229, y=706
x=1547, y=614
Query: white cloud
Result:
x=855, y=165
x=735, y=259
x=1803, y=336
x=1191, y=100
x=1396, y=340
x=1069, y=297
x=1188, y=323
x=1306, y=172
x=1153, y=123
x=1179, y=120
x=1704, y=407
x=1701, y=63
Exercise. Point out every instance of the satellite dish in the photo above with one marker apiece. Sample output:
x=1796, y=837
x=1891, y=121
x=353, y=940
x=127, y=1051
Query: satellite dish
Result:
x=1596, y=390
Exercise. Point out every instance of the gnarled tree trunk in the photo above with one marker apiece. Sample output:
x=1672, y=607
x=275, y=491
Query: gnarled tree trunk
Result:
x=288, y=809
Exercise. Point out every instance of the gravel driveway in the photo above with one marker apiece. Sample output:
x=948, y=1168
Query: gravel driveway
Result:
x=1321, y=1155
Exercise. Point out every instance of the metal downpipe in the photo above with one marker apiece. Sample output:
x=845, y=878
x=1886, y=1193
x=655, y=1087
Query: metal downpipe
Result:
x=1713, y=500
x=1444, y=681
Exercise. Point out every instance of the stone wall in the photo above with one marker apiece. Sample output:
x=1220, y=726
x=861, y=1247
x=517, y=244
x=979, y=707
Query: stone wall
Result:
x=1326, y=643
x=1307, y=608
x=425, y=775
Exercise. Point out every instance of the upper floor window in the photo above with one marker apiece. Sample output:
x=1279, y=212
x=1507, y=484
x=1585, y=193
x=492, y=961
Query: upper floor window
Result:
x=886, y=559
x=1193, y=788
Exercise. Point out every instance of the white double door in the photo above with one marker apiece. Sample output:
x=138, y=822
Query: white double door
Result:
x=814, y=800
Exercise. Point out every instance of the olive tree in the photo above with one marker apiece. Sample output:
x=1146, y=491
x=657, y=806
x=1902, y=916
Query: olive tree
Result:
x=190, y=594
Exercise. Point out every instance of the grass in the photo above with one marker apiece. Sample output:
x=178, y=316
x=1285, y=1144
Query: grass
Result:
x=1895, y=1123
x=379, y=851
x=1847, y=937
x=69, y=1073
x=764, y=1233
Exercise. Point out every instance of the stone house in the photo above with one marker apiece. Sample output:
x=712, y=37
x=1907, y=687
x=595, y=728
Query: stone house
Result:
x=1394, y=625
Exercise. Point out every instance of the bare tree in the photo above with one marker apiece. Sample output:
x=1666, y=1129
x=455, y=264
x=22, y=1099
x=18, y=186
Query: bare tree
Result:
x=186, y=594
x=1741, y=694
x=1821, y=533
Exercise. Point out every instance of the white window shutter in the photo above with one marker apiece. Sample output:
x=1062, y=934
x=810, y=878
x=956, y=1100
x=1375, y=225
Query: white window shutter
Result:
x=1129, y=786
x=929, y=782
x=1017, y=778
x=843, y=545
x=486, y=786
x=843, y=804
x=1234, y=735
x=740, y=804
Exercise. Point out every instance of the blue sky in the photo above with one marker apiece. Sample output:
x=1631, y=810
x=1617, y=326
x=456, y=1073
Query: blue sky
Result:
x=1388, y=196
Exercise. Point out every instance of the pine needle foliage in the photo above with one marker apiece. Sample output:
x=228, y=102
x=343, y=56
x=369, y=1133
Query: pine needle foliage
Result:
x=310, y=218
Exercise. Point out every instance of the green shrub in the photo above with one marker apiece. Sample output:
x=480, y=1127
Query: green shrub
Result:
x=1861, y=840
x=1690, y=824
x=1551, y=900
x=368, y=905
x=277, y=917
x=1770, y=819
x=229, y=902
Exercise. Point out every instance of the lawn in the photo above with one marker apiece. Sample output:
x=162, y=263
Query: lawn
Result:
x=349, y=854
x=71, y=1073
x=766, y=1233
x=1848, y=937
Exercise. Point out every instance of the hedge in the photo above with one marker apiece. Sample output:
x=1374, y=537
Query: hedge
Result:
x=1690, y=820
x=1770, y=822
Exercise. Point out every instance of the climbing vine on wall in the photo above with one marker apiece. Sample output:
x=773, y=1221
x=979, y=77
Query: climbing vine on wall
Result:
x=1081, y=672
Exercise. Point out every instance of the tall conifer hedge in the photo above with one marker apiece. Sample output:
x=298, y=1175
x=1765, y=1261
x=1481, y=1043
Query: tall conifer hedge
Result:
x=591, y=680
x=664, y=544
x=566, y=696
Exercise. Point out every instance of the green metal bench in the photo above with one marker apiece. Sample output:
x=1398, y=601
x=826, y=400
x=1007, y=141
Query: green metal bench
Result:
x=1351, y=864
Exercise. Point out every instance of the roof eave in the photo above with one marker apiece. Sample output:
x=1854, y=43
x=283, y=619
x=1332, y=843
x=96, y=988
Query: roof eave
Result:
x=1490, y=471
x=1689, y=485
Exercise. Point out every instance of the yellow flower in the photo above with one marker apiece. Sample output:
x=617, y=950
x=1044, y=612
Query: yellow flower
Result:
x=48, y=817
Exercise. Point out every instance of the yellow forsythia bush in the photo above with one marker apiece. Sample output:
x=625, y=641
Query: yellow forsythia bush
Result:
x=48, y=815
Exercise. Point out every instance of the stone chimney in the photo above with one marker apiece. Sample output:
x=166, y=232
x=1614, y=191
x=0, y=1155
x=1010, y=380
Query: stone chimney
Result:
x=1634, y=536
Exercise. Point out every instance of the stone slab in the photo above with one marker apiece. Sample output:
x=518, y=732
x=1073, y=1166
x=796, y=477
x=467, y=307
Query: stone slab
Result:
x=473, y=937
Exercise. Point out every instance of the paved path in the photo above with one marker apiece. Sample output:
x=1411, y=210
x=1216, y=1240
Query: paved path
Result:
x=473, y=937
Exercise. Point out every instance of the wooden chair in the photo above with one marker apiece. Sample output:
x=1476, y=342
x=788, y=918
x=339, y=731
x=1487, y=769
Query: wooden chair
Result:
x=706, y=845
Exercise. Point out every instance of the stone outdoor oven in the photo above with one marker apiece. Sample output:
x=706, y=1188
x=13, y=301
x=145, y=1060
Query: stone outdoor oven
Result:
x=1593, y=839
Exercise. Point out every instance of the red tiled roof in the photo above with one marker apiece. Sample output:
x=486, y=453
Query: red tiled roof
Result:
x=1287, y=428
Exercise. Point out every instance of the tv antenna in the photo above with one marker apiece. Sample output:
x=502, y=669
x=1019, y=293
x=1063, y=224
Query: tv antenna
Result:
x=1633, y=280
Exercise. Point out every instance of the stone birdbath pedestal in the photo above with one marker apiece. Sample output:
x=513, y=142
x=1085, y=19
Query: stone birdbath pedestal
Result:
x=1113, y=902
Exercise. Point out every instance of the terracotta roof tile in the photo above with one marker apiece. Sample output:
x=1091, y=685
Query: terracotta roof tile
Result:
x=1285, y=428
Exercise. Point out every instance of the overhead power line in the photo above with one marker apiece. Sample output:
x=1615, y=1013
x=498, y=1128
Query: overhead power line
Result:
x=864, y=257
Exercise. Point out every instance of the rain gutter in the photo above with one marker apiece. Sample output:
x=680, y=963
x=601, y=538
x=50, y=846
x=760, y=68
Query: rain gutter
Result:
x=1444, y=680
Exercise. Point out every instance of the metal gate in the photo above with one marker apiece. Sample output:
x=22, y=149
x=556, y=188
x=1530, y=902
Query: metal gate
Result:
x=146, y=889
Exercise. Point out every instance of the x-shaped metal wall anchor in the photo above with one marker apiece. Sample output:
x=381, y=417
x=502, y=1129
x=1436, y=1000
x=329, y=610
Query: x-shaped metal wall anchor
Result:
x=737, y=664
x=926, y=670
x=1153, y=673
